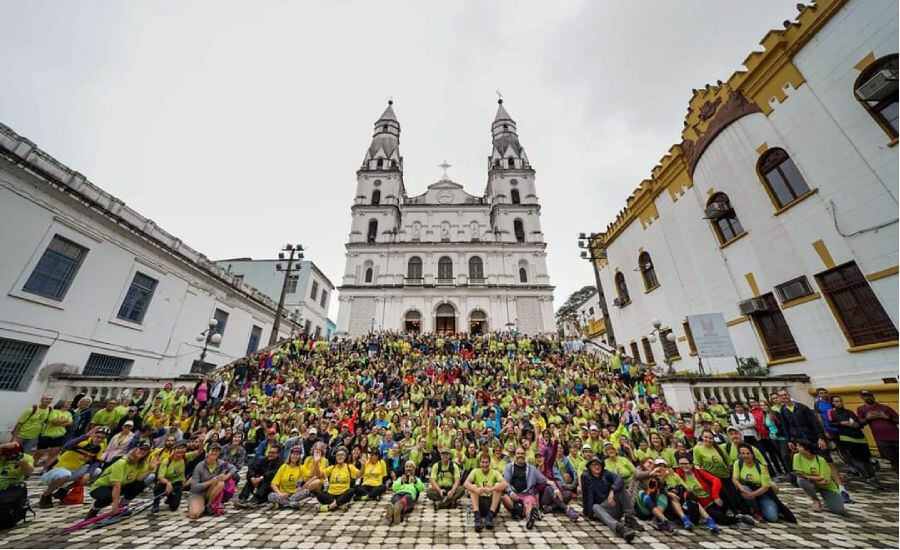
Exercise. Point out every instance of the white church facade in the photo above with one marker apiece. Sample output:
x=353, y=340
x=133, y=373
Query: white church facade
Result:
x=445, y=261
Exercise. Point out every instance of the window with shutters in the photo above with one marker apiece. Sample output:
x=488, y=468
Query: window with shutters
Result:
x=255, y=337
x=723, y=218
x=18, y=362
x=414, y=268
x=774, y=331
x=622, y=289
x=222, y=318
x=858, y=310
x=445, y=268
x=690, y=337
x=648, y=272
x=876, y=90
x=137, y=299
x=476, y=269
x=99, y=364
x=56, y=269
x=670, y=348
x=635, y=353
x=648, y=351
x=314, y=293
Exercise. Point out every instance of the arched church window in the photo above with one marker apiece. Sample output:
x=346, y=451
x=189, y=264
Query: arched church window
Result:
x=476, y=268
x=414, y=268
x=445, y=268
x=376, y=197
x=514, y=194
x=373, y=231
x=519, y=230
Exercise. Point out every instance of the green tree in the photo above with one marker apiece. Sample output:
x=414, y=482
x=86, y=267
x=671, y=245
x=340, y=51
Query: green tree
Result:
x=568, y=309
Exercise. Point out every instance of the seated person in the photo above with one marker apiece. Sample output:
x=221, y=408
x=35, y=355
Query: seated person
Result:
x=656, y=497
x=604, y=497
x=259, y=479
x=444, y=488
x=486, y=487
x=124, y=477
x=208, y=484
x=752, y=480
x=525, y=483
x=340, y=478
x=814, y=477
x=285, y=482
x=170, y=478
x=407, y=489
x=76, y=461
x=374, y=473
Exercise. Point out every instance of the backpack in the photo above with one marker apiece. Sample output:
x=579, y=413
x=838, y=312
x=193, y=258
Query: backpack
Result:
x=14, y=505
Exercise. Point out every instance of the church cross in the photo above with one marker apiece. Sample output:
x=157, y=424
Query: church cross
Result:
x=445, y=165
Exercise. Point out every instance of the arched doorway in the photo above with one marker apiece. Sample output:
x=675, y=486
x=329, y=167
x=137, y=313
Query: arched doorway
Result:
x=478, y=323
x=445, y=319
x=412, y=322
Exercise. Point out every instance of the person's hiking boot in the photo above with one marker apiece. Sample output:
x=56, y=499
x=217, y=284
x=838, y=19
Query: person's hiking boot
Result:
x=668, y=527
x=155, y=508
x=324, y=508
x=845, y=496
x=389, y=513
x=632, y=523
x=364, y=498
x=479, y=523
x=45, y=502
x=532, y=517
x=240, y=503
x=688, y=524
x=625, y=532
x=92, y=513
x=398, y=513
x=61, y=493
x=571, y=513
x=712, y=526
x=343, y=507
x=489, y=520
x=746, y=520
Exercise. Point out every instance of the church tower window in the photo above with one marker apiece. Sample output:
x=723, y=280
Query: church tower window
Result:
x=519, y=230
x=514, y=194
x=376, y=197
x=373, y=231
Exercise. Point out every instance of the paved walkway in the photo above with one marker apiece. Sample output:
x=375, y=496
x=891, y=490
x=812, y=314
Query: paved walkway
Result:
x=873, y=522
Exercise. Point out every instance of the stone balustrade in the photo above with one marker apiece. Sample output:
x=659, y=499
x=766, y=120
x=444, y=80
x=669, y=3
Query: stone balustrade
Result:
x=102, y=388
x=683, y=393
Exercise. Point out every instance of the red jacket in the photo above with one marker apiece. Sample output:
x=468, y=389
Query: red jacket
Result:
x=710, y=483
x=760, y=418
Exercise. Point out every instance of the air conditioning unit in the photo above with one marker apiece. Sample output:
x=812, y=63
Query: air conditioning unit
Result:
x=793, y=289
x=757, y=305
x=880, y=85
x=716, y=210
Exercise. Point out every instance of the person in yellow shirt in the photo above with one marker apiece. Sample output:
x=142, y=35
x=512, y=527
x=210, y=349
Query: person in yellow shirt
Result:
x=374, y=472
x=75, y=462
x=340, y=478
x=284, y=485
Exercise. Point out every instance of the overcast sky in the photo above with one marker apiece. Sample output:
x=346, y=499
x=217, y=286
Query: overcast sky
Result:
x=238, y=126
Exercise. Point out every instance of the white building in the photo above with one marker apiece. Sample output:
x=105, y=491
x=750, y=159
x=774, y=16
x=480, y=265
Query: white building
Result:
x=446, y=260
x=91, y=287
x=778, y=209
x=308, y=290
x=587, y=320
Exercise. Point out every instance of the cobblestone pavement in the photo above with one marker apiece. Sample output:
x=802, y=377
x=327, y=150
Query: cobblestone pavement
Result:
x=872, y=522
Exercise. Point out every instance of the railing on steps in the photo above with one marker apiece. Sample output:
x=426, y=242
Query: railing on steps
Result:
x=684, y=392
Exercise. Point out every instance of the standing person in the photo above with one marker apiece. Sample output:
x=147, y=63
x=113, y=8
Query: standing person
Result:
x=766, y=444
x=605, y=498
x=81, y=418
x=801, y=424
x=486, y=487
x=53, y=434
x=208, y=482
x=852, y=440
x=30, y=424
x=407, y=489
x=124, y=477
x=746, y=423
x=882, y=420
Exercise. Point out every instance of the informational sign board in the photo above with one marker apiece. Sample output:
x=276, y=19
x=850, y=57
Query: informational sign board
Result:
x=711, y=335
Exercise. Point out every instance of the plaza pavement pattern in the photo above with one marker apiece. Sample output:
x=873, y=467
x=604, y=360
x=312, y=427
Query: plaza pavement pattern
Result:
x=872, y=522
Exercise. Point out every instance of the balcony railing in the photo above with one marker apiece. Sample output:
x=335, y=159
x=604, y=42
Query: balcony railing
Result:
x=445, y=281
x=596, y=327
x=413, y=281
x=684, y=392
x=477, y=281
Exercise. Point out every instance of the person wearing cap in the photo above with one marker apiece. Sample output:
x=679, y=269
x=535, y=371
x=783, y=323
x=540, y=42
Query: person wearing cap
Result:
x=285, y=485
x=656, y=496
x=123, y=478
x=374, y=477
x=76, y=461
x=271, y=439
x=735, y=438
x=579, y=460
x=208, y=483
x=170, y=478
x=618, y=464
x=444, y=487
x=119, y=444
x=525, y=481
x=605, y=498
x=312, y=437
x=882, y=420
x=406, y=490
x=130, y=414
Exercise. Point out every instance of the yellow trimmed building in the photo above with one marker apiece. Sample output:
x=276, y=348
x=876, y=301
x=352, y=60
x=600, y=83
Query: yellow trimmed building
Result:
x=778, y=209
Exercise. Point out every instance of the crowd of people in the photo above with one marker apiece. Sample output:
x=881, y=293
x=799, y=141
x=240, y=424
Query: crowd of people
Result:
x=503, y=424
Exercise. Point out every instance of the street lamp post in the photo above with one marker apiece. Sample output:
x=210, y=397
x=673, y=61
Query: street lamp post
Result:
x=670, y=337
x=208, y=337
x=291, y=249
x=587, y=245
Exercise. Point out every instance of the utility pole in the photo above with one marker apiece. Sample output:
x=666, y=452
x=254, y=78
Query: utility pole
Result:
x=291, y=249
x=589, y=252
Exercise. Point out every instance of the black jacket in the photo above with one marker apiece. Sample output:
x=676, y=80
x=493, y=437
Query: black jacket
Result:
x=801, y=424
x=596, y=489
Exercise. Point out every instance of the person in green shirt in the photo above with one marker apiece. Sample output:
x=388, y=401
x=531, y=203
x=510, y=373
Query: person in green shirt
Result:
x=752, y=480
x=14, y=468
x=170, y=478
x=124, y=477
x=30, y=423
x=53, y=434
x=617, y=464
x=712, y=458
x=486, y=487
x=108, y=416
x=444, y=486
x=407, y=489
x=814, y=477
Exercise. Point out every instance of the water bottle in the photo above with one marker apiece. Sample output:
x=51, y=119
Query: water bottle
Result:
x=470, y=517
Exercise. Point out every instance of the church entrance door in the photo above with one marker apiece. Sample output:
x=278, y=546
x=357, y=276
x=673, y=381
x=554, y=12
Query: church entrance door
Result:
x=413, y=322
x=445, y=319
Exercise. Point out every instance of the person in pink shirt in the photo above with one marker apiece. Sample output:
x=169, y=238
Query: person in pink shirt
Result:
x=882, y=420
